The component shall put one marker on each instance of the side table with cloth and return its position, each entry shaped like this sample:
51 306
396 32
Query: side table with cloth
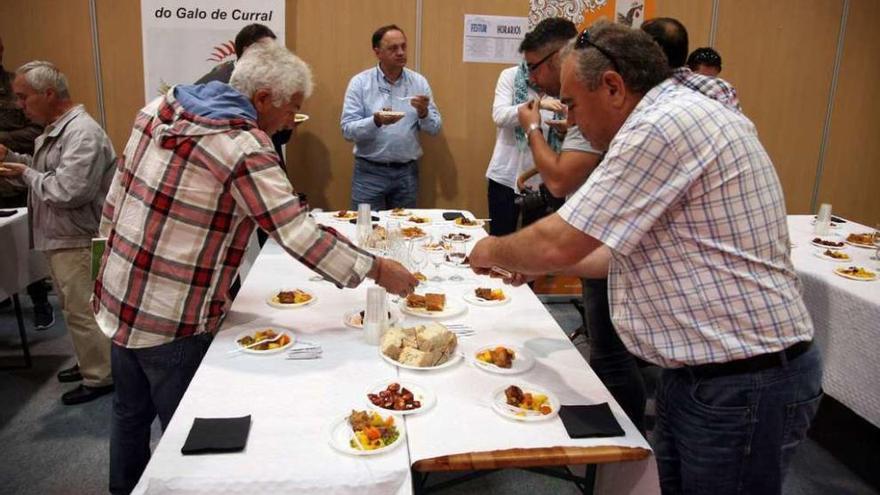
19 265
293 402
846 317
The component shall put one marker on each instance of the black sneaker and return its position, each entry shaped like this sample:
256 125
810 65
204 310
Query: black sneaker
44 316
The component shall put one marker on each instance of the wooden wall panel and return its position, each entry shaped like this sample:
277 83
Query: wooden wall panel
696 15
122 66
454 166
58 31
851 176
334 38
779 55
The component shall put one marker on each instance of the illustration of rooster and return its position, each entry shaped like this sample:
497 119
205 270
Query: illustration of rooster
632 14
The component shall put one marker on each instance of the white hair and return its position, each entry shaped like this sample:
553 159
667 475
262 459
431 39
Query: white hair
42 75
268 65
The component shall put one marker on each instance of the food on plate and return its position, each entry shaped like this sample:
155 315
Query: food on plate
428 302
345 214
425 345
456 236
371 431
500 356
295 296
399 212
857 272
527 400
457 259
263 335
866 239
395 397
489 294
412 232
436 246
826 242
466 222
420 277
838 255
357 319
417 219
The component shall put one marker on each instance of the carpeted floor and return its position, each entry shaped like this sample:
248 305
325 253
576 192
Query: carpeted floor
48 448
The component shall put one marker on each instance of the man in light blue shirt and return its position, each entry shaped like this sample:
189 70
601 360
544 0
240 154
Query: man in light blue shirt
385 108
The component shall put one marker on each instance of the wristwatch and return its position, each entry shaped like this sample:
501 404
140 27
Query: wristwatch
532 127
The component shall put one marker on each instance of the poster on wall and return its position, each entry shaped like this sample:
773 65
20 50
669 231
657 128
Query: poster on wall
184 39
585 12
493 39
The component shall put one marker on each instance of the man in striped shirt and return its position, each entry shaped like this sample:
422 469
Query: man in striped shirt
700 279
198 174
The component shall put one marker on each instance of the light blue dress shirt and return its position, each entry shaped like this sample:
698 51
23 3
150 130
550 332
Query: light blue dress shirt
370 92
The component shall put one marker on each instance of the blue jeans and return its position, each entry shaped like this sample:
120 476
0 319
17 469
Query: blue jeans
609 358
148 381
384 187
734 434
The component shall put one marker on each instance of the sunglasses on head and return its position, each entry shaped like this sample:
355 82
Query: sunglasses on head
583 42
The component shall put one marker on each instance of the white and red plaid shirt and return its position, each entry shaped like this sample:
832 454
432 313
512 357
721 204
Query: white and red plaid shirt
184 201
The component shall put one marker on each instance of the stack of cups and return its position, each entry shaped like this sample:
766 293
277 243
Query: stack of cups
823 220
376 315
396 249
364 224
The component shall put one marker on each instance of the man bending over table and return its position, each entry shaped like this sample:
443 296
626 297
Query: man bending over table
198 174
700 279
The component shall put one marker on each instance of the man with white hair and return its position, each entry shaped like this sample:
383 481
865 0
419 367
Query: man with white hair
198 174
67 176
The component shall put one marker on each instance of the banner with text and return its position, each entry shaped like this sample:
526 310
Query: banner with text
493 39
184 39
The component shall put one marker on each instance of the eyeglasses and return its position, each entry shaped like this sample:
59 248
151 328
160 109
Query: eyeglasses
533 67
583 41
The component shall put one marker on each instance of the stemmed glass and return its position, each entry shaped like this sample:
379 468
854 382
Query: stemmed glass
418 258
457 253
877 244
437 256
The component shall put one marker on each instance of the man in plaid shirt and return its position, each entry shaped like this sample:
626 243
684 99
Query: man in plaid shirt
199 172
700 278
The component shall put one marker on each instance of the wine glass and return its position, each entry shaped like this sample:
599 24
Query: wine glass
457 254
418 258
437 256
877 244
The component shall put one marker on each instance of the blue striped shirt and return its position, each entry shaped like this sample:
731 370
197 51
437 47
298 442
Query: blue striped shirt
690 205
370 92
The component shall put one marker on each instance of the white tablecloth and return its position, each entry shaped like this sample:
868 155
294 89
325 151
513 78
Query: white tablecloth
19 265
292 402
846 317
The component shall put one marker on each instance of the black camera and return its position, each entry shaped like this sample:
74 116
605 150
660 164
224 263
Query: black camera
539 201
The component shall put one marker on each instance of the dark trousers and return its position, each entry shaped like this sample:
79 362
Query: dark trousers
38 292
609 358
149 382
504 211
734 434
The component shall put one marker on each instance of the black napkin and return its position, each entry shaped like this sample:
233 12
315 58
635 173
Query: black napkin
452 215
590 421
354 221
7 213
213 435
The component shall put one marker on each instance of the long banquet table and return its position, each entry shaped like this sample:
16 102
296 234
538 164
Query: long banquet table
846 317
292 402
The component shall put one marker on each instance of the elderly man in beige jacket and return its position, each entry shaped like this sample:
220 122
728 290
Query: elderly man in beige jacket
67 176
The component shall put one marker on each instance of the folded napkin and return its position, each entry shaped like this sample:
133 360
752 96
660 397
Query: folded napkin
354 221
452 215
590 421
214 435
7 213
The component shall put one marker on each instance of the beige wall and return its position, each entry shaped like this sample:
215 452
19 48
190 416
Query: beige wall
780 55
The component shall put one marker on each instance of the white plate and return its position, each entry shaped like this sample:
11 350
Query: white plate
452 308
416 238
453 360
348 319
350 215
472 298
407 222
821 255
273 300
387 113
403 214
271 351
522 360
450 237
834 225
340 435
844 275
420 393
499 401
828 247
478 225
863 246
300 118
